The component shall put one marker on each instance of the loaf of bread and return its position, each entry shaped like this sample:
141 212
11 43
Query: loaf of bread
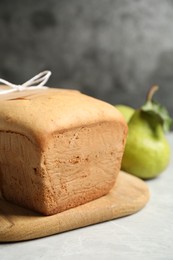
58 149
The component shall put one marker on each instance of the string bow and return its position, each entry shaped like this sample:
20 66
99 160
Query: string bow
37 82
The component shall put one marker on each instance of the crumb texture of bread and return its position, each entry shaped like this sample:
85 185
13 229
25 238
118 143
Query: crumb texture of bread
59 149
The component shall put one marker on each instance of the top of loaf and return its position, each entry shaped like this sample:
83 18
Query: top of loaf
40 113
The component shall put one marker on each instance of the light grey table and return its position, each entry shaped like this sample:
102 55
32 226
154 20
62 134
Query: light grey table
147 234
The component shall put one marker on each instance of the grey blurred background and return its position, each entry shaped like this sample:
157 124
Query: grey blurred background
113 50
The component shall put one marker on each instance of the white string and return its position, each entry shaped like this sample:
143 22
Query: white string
37 82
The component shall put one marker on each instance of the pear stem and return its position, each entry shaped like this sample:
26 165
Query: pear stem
151 92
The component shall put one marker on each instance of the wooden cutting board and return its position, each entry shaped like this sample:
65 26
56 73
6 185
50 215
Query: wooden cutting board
128 196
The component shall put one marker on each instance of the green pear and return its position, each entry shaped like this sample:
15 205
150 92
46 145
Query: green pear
147 151
126 111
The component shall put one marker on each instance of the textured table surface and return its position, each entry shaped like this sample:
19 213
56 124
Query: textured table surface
147 234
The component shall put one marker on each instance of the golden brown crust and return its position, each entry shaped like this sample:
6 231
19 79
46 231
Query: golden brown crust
44 112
